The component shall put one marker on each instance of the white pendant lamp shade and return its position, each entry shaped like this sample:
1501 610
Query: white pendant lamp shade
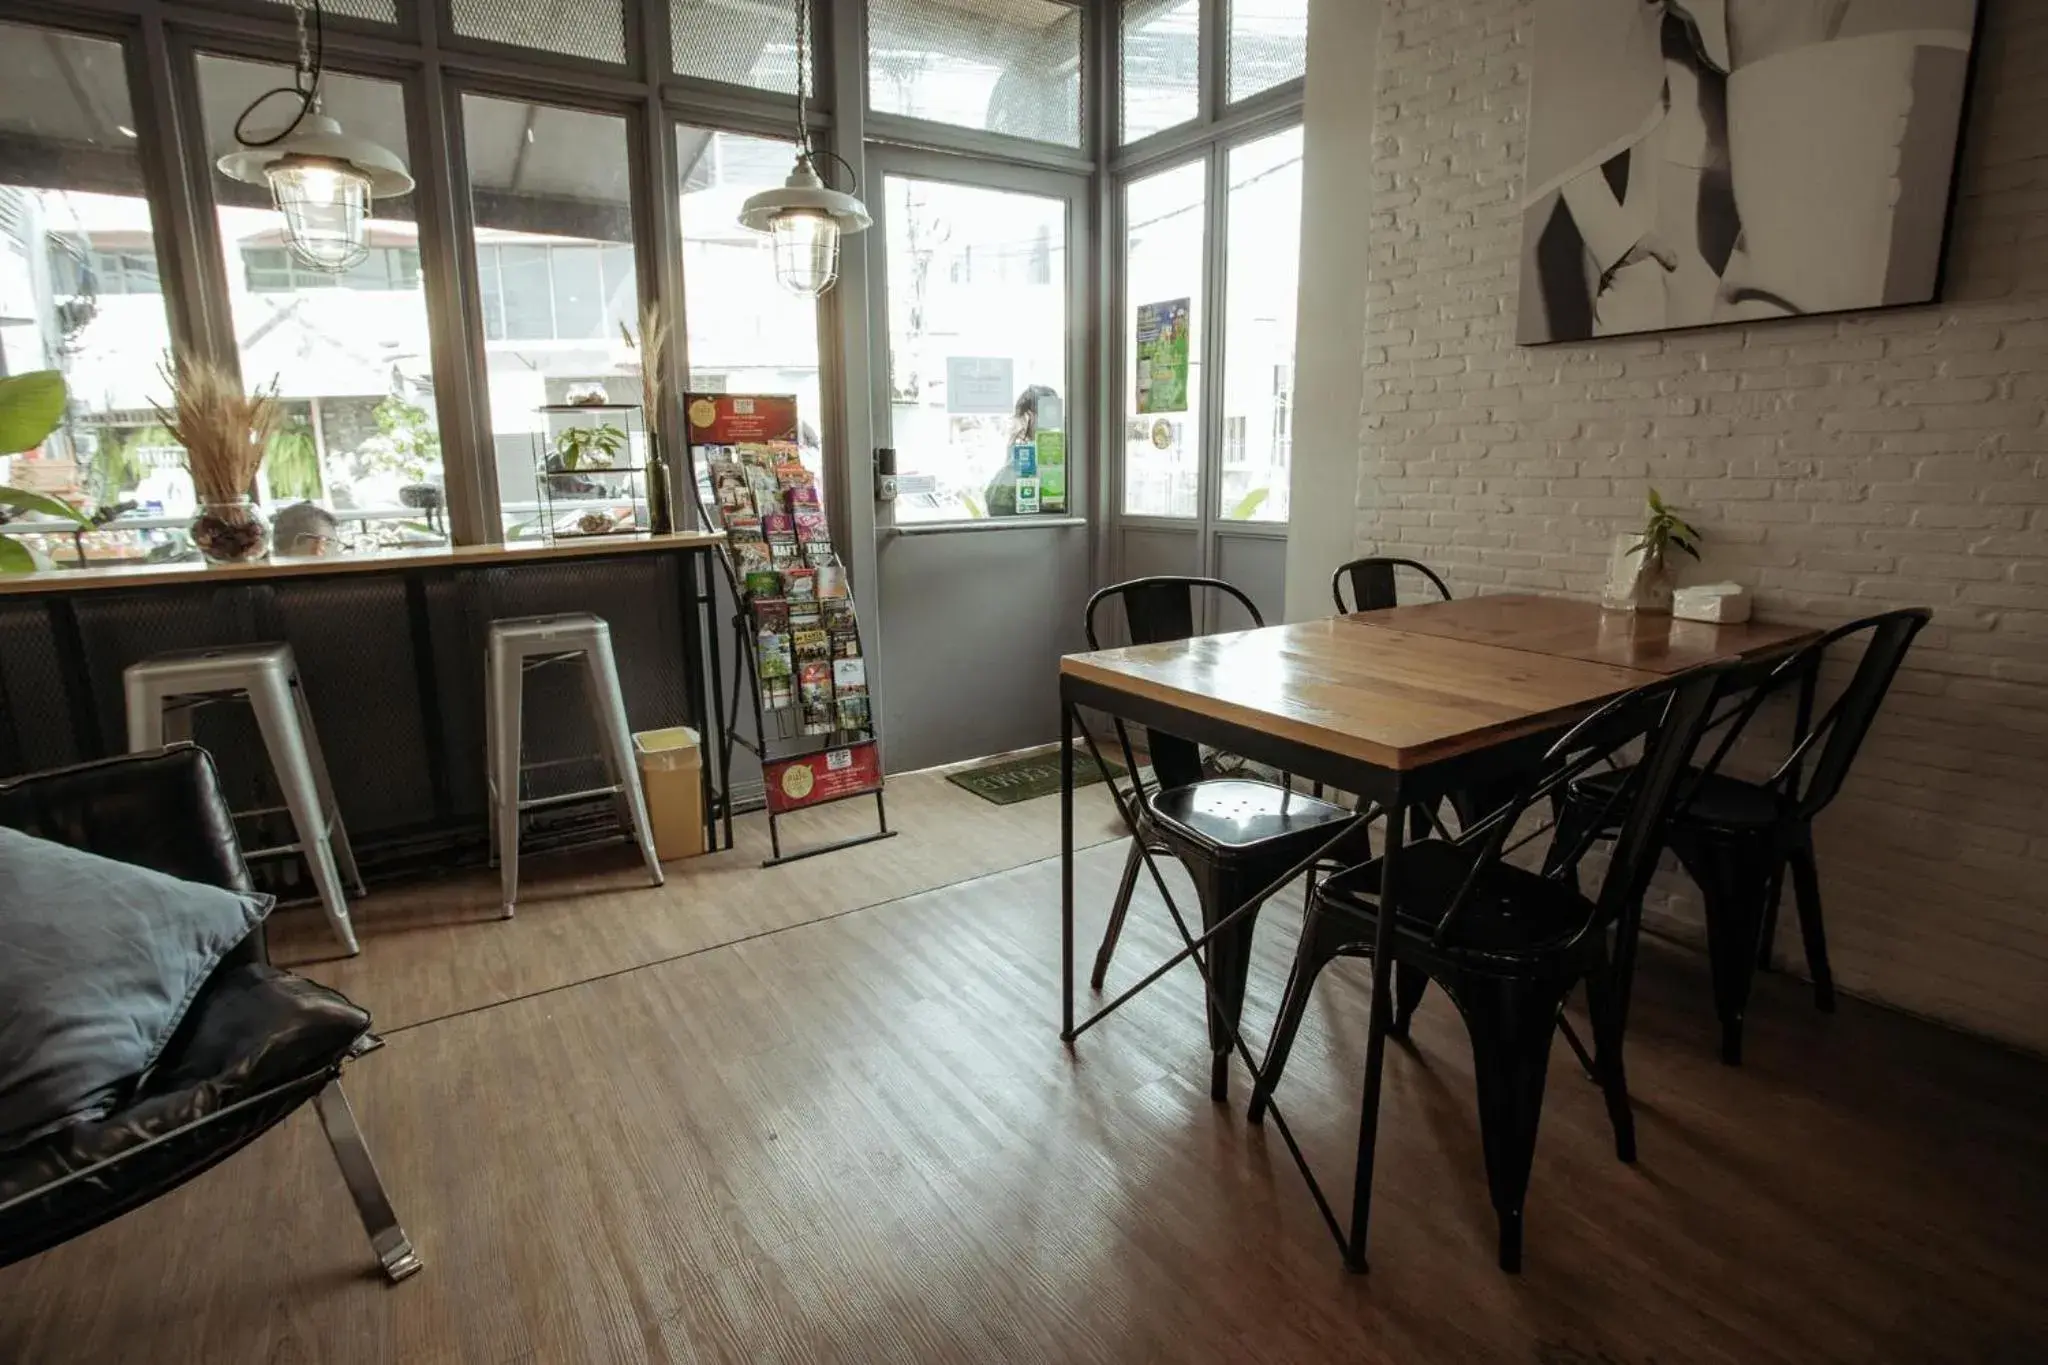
323 182
806 220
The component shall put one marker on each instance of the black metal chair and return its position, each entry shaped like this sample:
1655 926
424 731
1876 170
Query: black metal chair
256 1042
1374 586
1736 839
1235 836
1508 945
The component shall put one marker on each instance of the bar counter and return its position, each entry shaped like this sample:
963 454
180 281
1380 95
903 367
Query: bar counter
390 646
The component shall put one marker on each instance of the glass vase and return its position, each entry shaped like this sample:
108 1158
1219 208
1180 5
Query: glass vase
231 532
1637 581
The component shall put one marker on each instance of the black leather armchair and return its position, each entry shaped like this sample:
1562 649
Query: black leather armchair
256 1043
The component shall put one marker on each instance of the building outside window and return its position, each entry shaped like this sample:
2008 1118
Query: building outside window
80 292
349 355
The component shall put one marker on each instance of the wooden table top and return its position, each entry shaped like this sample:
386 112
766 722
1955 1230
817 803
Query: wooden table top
1392 698
1565 628
196 573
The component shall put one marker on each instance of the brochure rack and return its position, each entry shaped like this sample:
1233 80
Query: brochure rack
796 634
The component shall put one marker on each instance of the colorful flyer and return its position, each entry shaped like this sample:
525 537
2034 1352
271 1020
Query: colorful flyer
1163 356
1052 470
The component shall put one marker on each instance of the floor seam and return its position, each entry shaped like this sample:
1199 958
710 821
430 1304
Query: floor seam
732 942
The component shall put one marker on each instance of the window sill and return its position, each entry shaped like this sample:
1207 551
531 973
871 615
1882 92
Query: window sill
979 524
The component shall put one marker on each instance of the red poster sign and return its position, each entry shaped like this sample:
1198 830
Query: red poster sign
726 419
814 779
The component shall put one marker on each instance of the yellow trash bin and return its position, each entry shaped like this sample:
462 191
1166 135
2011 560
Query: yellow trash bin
671 773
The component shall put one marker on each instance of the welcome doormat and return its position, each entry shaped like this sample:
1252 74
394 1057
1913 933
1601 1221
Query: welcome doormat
1007 781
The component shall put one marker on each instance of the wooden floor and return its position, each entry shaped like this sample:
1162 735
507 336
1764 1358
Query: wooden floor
860 1140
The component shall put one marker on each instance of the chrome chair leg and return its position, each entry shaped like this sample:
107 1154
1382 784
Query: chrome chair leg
394 1249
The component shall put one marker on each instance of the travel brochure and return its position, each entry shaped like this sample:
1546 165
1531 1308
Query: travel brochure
806 638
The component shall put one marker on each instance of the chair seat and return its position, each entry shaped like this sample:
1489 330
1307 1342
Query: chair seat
1235 815
1719 804
1512 913
256 1037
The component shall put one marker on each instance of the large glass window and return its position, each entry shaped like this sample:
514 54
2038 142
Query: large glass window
1264 262
1268 45
1004 66
743 332
1161 69
550 190
80 289
349 354
977 350
1164 230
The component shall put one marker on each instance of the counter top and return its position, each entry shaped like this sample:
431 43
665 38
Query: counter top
195 573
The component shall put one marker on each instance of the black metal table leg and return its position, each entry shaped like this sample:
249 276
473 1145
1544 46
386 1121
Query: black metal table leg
1376 1034
1066 871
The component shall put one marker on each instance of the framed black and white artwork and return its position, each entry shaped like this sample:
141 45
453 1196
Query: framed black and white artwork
1695 162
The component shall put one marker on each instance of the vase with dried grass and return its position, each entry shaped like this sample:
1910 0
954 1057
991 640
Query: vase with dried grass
225 432
652 344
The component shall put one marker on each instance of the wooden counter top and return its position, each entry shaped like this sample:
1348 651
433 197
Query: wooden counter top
196 573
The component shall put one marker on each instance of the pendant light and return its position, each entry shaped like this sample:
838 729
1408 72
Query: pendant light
806 217
322 180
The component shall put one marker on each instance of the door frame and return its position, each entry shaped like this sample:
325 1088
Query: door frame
1076 190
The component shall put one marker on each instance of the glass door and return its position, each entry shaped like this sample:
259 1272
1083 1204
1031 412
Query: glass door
984 551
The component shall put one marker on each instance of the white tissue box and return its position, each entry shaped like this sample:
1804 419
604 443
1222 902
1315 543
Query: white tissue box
1725 604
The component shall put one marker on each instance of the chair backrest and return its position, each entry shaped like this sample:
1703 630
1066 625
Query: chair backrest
162 810
1669 716
1839 733
1156 610
1373 585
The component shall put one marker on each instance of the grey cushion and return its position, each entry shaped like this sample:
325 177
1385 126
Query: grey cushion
99 961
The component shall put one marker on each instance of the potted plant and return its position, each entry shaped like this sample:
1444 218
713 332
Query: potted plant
597 447
226 433
31 406
1641 574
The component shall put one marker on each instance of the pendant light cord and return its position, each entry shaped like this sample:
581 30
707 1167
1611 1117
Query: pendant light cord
805 151
305 86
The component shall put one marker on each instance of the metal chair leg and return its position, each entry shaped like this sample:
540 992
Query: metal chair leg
285 739
337 829
616 736
394 1249
1118 909
508 685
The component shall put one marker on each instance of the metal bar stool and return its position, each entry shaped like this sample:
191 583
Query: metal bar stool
162 694
516 646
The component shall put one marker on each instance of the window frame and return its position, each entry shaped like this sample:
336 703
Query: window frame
1210 137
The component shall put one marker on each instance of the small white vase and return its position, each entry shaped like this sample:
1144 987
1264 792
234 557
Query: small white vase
1637 581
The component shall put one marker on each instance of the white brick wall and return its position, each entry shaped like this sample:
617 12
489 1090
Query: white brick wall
1840 467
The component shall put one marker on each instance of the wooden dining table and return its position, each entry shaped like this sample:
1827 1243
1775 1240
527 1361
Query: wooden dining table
1400 707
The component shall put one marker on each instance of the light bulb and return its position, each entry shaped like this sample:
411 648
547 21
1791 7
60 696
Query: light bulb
326 208
806 250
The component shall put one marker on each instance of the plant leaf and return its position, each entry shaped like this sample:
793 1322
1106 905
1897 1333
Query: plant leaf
1656 503
1248 506
14 557
39 502
31 405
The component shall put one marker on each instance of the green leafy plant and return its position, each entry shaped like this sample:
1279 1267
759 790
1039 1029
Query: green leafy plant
31 406
1663 530
293 461
599 446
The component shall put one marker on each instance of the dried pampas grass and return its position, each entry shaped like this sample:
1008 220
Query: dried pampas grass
652 344
225 431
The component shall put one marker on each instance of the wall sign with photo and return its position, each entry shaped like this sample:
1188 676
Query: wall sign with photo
1695 162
